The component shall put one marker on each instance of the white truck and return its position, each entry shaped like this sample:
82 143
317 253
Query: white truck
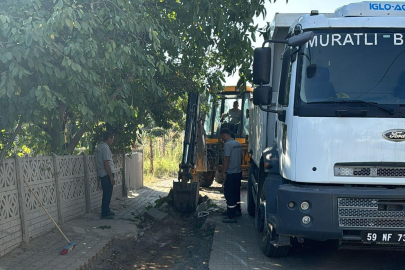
327 128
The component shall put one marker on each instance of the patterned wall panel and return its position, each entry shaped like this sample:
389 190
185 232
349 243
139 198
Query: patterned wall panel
96 191
118 162
72 188
10 222
39 173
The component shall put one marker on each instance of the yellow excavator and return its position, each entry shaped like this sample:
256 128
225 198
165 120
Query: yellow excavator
202 147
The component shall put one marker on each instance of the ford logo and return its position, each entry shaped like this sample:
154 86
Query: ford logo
395 135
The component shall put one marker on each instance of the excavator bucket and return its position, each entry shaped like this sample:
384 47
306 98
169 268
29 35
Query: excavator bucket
185 196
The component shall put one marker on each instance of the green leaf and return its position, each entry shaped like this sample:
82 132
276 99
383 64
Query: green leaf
17 56
68 23
15 71
4 120
3 18
9 56
11 108
49 70
10 89
57 73
78 25
28 40
2 91
11 66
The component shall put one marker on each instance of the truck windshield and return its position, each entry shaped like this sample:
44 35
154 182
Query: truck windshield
365 66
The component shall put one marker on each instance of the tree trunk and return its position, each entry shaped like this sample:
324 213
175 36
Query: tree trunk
11 140
75 140
55 133
55 126
151 155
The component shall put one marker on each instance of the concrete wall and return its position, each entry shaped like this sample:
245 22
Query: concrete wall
67 186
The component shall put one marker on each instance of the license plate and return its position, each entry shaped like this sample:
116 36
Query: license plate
383 237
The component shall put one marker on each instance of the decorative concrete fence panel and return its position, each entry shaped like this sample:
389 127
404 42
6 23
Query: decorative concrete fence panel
96 191
10 221
39 173
68 187
119 167
70 175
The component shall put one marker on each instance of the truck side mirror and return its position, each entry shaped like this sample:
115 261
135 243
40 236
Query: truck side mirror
300 39
262 66
262 95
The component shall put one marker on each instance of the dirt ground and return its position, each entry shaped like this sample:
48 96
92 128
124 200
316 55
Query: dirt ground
181 241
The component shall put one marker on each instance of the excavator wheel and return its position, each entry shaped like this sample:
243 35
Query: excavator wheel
207 178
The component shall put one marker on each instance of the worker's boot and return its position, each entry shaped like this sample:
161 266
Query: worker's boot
238 213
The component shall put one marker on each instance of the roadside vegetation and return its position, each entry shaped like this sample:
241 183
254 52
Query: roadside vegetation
166 155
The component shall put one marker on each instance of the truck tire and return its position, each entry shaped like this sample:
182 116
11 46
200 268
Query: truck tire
269 249
250 202
207 178
259 219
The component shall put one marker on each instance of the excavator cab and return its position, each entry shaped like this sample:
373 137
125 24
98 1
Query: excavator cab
228 109
202 147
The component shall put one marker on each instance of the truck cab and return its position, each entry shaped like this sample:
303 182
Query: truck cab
327 128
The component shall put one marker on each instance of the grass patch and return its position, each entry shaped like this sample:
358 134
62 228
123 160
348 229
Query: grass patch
167 151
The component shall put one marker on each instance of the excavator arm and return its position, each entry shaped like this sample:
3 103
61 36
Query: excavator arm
186 189
190 135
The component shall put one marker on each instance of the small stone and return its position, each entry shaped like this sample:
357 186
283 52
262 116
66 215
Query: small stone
155 214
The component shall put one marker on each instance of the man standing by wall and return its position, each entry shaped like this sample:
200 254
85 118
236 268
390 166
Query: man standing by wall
105 170
232 169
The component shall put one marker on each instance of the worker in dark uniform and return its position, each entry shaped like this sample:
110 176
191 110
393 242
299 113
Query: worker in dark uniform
232 173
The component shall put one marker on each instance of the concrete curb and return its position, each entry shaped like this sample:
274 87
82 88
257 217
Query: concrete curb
85 265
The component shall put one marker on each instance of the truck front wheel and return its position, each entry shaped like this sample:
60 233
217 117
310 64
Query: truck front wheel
268 248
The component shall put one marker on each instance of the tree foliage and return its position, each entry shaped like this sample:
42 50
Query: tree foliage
68 65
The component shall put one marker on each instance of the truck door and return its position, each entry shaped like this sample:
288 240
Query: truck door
283 129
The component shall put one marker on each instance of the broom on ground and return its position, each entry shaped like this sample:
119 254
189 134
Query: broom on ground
70 245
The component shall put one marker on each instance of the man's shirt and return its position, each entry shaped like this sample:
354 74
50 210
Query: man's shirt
233 150
103 152
234 116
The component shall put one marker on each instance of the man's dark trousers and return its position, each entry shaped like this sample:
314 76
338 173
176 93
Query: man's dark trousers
232 193
107 194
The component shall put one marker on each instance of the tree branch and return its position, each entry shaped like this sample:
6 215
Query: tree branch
75 140
10 143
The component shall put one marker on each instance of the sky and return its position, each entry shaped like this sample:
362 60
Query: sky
294 6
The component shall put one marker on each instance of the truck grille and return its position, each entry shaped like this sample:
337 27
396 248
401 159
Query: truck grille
370 171
365 213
